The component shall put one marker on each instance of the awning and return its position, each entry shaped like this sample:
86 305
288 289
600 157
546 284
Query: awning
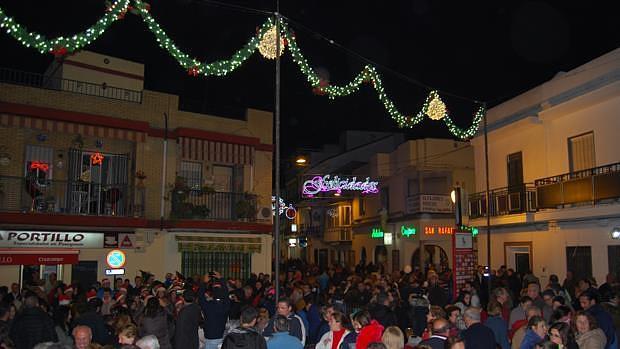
218 244
214 151
38 257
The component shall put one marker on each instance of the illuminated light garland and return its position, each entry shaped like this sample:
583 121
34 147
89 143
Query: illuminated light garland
63 45
265 38
267 46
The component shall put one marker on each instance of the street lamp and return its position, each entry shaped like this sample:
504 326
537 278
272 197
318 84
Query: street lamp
301 161
455 195
615 233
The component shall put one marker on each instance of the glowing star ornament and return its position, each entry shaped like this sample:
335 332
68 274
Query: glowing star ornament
436 108
267 46
96 159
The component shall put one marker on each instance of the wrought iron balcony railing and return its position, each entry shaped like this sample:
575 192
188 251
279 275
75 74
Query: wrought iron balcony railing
18 194
18 77
504 201
588 186
210 205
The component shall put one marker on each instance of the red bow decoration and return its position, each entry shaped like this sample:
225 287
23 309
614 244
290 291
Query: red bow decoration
39 165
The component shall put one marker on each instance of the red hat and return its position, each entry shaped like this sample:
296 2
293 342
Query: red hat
123 289
91 294
63 299
119 296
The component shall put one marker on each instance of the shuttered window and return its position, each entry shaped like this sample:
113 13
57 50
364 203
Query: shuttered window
191 172
581 152
232 265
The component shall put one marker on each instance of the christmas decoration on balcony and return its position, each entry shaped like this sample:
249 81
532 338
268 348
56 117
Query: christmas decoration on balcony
96 159
265 41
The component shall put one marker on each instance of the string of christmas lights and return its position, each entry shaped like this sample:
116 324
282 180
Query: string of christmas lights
264 41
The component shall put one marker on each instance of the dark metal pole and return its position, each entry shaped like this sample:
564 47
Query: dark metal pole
486 166
276 225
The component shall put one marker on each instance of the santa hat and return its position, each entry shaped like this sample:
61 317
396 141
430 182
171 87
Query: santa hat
68 289
91 295
63 299
123 289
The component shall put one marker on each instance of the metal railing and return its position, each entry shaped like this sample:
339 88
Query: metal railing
19 194
23 78
338 234
208 205
586 186
504 201
310 230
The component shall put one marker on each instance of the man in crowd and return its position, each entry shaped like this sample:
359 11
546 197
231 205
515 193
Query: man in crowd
245 336
477 336
296 326
589 303
281 339
83 336
440 332
186 330
32 325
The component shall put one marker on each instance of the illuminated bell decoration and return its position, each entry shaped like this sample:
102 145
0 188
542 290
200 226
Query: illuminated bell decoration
267 45
436 109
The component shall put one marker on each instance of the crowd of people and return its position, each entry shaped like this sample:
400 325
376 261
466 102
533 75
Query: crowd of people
331 308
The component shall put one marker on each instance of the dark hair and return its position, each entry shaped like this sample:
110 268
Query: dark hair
549 293
451 341
590 295
560 312
362 317
339 317
285 300
525 299
281 324
152 308
554 278
452 308
566 333
559 299
547 345
4 308
376 345
382 297
189 296
591 320
534 320
61 315
248 314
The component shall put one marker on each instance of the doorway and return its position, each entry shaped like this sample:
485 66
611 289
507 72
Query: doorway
518 256
84 274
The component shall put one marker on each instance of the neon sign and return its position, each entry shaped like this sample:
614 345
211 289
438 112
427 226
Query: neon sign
36 165
407 231
377 233
438 230
289 211
96 159
336 184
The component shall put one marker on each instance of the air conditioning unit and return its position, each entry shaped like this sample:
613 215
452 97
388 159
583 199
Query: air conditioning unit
264 213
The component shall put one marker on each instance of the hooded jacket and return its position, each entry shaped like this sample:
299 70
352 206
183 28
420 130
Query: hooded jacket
370 333
244 338
530 340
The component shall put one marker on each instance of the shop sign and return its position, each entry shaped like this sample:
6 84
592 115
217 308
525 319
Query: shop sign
407 231
115 271
432 230
377 233
327 183
387 239
39 239
8 258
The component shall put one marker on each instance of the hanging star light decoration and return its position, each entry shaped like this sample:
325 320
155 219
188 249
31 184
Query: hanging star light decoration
436 108
267 46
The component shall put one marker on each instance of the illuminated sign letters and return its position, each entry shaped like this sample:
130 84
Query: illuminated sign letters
407 231
326 183
430 230
377 233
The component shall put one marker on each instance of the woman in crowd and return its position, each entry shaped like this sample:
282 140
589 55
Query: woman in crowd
589 336
393 338
62 318
369 330
128 335
155 322
337 332
536 331
562 334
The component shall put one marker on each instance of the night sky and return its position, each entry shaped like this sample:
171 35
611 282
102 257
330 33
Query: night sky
483 50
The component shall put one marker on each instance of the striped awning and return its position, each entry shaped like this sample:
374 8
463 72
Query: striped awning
9 120
218 244
214 151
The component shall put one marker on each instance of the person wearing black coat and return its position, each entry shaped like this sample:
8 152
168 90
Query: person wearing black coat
245 336
186 330
477 336
88 315
32 325
215 307
155 322
381 312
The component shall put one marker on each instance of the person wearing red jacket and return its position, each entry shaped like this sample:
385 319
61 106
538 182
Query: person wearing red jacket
369 330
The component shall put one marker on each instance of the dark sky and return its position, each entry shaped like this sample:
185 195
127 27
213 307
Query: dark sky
485 50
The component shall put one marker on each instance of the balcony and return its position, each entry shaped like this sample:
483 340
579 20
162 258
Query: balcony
425 203
211 205
18 77
17 194
504 201
338 234
310 230
588 186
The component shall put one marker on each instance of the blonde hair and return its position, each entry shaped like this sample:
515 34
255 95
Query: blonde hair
393 338
129 331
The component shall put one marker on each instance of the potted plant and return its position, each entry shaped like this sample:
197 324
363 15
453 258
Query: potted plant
246 208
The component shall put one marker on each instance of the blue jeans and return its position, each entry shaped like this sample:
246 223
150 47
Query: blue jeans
213 343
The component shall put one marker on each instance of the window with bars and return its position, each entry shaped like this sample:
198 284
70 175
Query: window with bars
231 265
191 172
581 152
40 155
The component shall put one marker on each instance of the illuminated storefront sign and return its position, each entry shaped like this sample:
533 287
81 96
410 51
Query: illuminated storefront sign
337 184
431 230
407 231
387 239
377 233
9 238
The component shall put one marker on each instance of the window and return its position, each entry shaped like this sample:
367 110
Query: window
413 187
579 261
223 178
515 170
613 256
436 185
362 206
384 194
581 152
346 215
39 155
232 265
191 172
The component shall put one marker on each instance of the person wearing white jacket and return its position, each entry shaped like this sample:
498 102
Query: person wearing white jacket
336 333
